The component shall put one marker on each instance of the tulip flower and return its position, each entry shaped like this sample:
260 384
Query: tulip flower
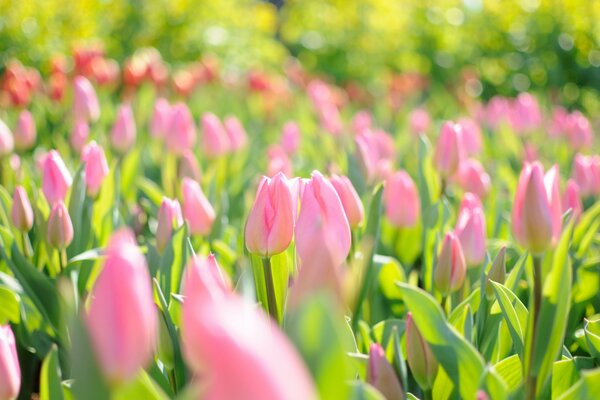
451 267
238 138
449 150
10 370
96 167
473 178
401 200
381 374
361 122
237 351
214 138
572 200
558 124
197 211
21 212
497 272
497 110
586 173
524 113
56 179
6 140
351 202
471 135
578 130
330 118
375 151
161 116
188 166
537 212
422 363
180 133
79 135
60 227
470 230
122 320
169 217
85 102
123 132
419 121
270 224
279 161
290 137
25 132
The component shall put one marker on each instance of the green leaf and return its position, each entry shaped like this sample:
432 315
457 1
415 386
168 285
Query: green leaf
364 391
77 212
588 387
142 387
9 309
50 377
592 336
510 370
564 375
151 190
515 314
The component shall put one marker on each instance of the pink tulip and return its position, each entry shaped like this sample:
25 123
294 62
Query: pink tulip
375 151
180 132
351 202
471 134
525 114
188 166
278 161
423 364
361 122
238 138
451 267
197 211
60 227
401 200
290 137
21 212
497 111
558 126
470 230
96 167
270 224
319 93
79 135
586 173
160 118
419 121
537 212
123 132
572 200
473 178
85 102
381 374
215 142
579 130
169 217
6 140
449 150
25 132
122 319
331 120
56 179
10 370
236 349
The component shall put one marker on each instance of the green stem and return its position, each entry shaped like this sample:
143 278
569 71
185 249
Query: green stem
172 379
271 298
25 240
427 394
531 384
62 255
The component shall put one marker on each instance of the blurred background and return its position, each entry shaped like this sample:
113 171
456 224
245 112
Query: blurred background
489 46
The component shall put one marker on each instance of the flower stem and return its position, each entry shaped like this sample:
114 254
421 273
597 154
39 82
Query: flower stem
271 298
62 256
531 384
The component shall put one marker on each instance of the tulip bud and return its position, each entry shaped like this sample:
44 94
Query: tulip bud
25 132
362 121
331 121
56 179
290 137
270 224
236 133
586 173
180 132
188 166
524 113
537 212
197 211
79 135
10 370
422 363
85 102
419 121
96 167
60 227
214 138
381 375
6 140
278 161
401 200
122 319
160 118
22 214
470 229
497 272
351 202
169 217
572 200
449 149
471 135
123 132
473 178
451 267
579 130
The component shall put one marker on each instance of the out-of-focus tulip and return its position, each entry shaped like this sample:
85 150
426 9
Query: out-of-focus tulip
524 113
214 138
60 227
579 130
572 199
85 102
25 132
419 121
471 134
123 133
96 167
270 224
449 150
470 229
197 211
290 137
278 161
10 370
422 363
451 267
169 217
330 118
381 374
122 319
361 122
586 173
537 212
375 151
21 212
530 152
180 133
497 111
558 125
401 200
353 206
236 348
161 116
188 166
56 179
79 135
6 140
497 272
473 178
236 132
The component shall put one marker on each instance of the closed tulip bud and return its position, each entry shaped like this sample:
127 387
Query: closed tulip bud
579 130
473 178
123 133
451 267
353 206
537 212
215 142
56 179
181 131
524 113
22 214
449 150
290 137
60 227
422 363
169 217
362 121
122 319
197 211
471 134
381 374
85 102
161 116
188 166
96 167
572 199
25 132
419 121
79 135
497 272
236 133
270 226
10 370
401 200
278 161
586 173
470 230
6 140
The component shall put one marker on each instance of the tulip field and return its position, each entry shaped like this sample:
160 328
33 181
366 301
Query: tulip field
212 230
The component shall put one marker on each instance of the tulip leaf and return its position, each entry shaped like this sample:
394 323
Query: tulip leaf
364 391
510 371
50 377
142 387
515 314
151 190
9 311
80 213
592 337
587 387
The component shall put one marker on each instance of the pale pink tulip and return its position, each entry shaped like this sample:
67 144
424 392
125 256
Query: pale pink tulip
330 118
279 161
7 142
10 370
96 167
21 212
180 132
572 200
215 142
419 121
85 102
579 130
290 137
471 135
188 166
451 267
524 113
25 131
473 178
497 110
353 206
123 132
449 149
197 210
362 121
56 179
169 217
161 116
381 374
238 138
401 200
586 173
79 135
60 227
470 230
